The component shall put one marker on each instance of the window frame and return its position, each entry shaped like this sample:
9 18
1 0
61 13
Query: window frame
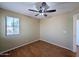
6 26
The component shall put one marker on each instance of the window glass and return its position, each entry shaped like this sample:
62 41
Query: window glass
12 25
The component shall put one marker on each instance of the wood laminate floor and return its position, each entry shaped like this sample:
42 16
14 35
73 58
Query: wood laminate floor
40 49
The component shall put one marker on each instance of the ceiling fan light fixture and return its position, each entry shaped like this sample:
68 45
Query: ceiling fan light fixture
41 14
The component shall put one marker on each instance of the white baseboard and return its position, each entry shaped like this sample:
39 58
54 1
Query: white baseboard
58 45
17 47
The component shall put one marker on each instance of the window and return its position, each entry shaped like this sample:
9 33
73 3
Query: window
12 25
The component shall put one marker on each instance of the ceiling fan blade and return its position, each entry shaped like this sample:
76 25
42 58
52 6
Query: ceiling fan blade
36 14
50 11
33 10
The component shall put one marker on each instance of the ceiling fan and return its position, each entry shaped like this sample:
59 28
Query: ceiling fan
42 9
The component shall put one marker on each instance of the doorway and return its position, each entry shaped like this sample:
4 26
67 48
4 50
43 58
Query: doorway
76 34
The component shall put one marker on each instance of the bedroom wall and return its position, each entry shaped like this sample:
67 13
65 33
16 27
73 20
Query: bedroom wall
58 30
29 30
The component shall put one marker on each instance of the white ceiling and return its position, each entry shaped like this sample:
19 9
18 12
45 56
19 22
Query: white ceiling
22 7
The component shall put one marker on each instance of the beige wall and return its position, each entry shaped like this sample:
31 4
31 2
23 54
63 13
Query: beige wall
58 30
29 30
